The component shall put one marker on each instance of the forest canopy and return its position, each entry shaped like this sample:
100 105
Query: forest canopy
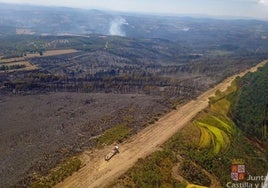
250 111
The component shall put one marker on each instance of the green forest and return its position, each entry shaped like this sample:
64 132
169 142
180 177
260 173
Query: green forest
250 107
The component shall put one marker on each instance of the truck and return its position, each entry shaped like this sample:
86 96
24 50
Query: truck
112 153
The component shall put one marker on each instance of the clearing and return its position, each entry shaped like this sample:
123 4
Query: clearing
31 55
97 172
27 64
53 53
24 60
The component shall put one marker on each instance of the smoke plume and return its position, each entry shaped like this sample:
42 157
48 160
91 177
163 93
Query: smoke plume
116 27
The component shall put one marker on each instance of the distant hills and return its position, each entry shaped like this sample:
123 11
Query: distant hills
26 19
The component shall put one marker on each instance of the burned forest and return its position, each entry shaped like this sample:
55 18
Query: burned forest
62 87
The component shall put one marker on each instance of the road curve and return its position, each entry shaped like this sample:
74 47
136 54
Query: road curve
97 172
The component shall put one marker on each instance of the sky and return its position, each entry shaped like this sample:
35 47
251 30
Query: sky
234 8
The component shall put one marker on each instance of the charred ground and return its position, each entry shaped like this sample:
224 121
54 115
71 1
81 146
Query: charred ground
58 108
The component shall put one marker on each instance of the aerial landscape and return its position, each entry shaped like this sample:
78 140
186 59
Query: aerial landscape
133 95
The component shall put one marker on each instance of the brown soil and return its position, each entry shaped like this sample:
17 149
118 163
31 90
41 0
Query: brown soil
99 173
28 66
45 54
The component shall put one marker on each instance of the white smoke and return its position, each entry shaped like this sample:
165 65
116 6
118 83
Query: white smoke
116 27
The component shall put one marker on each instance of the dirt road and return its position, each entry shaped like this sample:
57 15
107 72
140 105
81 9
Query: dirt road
99 173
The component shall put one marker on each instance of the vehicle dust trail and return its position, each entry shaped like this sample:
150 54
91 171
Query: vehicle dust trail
99 173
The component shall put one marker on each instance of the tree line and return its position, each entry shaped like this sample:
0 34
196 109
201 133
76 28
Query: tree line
250 107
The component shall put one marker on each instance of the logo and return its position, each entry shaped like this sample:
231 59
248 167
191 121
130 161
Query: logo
238 170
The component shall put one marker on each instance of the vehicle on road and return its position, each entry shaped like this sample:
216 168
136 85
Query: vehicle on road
112 153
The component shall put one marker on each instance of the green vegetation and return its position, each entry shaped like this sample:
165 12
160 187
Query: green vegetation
250 109
215 133
219 165
56 175
164 63
209 143
194 173
219 135
217 129
116 133
152 172
156 170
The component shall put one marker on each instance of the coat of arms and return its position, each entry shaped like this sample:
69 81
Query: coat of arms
238 170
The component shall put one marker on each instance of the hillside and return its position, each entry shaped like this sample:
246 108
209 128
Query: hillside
96 172
250 104
72 80
203 152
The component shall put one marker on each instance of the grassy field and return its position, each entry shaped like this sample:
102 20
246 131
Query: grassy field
216 128
215 133
114 134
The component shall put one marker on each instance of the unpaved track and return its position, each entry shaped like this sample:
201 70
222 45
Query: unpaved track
99 173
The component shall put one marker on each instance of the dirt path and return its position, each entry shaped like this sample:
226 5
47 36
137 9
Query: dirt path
99 173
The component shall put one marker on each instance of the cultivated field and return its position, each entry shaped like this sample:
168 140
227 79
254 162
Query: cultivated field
32 55
27 66
53 53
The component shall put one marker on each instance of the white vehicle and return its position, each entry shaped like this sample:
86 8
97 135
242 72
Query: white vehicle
112 153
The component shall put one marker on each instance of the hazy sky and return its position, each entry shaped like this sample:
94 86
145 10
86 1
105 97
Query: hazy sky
244 8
